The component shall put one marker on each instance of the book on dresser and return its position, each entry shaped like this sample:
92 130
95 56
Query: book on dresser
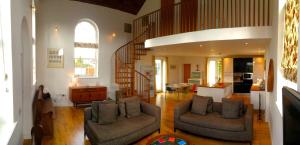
87 94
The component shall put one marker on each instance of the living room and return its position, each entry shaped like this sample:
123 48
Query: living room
100 49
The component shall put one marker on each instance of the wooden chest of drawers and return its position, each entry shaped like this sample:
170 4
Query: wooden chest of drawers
84 95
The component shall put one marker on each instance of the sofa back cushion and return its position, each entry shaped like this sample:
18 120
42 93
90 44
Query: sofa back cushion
217 107
231 109
133 108
95 110
107 112
199 105
121 105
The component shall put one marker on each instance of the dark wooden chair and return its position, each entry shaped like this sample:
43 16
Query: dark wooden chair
42 113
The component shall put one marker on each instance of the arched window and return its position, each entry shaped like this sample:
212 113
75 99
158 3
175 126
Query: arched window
86 49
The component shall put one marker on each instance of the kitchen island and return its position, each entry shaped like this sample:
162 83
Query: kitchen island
217 91
255 92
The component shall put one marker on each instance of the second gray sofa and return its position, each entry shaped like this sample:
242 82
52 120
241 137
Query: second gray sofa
213 124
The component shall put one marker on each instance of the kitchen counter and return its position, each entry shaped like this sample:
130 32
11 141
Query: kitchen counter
217 91
255 92
256 87
218 85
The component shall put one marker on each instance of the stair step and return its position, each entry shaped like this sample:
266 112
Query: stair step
122 83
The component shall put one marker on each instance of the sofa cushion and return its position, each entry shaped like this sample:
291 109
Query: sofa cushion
231 109
217 107
107 113
213 121
199 105
95 110
122 127
133 108
121 105
209 104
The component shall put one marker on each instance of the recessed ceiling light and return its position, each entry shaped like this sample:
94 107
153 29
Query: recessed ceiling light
246 43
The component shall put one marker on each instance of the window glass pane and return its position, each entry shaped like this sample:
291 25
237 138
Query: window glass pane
212 72
86 59
85 32
85 53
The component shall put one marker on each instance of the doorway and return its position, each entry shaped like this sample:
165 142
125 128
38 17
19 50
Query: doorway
161 73
186 72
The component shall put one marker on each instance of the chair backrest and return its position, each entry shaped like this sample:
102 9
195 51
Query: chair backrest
37 107
194 88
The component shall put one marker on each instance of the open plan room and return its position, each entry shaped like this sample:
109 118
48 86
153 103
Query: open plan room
149 72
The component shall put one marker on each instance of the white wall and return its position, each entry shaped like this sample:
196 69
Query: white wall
66 14
21 52
176 75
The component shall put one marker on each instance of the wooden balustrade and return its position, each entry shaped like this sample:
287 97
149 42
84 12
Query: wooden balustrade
193 15
142 86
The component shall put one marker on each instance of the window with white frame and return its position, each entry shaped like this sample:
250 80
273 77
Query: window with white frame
86 49
6 94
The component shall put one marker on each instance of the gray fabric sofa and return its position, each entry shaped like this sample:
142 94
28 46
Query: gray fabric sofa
125 130
213 124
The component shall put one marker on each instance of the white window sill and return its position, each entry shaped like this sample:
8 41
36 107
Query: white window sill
6 131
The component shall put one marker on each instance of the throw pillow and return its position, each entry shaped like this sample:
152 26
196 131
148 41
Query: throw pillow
210 104
95 110
121 105
230 108
199 105
122 111
132 108
107 113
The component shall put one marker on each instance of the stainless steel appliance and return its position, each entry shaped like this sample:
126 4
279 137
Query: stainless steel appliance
247 76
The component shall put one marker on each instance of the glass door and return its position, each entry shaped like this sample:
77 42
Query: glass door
160 76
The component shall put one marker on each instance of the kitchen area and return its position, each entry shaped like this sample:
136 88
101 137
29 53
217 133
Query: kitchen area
237 75
247 74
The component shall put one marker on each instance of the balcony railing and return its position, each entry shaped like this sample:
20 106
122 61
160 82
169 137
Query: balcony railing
197 15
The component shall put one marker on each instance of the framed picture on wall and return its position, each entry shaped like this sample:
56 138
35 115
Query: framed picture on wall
55 58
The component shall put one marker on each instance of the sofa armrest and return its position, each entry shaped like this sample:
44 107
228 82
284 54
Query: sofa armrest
151 110
249 119
181 109
87 114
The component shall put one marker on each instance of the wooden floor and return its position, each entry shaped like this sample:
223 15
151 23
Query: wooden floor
68 125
